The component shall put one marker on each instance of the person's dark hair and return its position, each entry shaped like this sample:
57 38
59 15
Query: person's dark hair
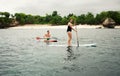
48 31
71 19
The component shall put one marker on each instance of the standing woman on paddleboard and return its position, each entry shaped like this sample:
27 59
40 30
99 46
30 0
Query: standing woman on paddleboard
69 31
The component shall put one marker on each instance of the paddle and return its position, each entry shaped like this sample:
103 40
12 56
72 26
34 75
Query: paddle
38 38
55 39
76 33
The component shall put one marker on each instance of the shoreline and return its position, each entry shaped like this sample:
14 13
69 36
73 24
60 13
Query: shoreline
39 26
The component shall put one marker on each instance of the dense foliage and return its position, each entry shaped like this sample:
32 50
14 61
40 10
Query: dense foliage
55 19
4 19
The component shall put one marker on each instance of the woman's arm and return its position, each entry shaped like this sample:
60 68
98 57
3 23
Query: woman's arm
71 25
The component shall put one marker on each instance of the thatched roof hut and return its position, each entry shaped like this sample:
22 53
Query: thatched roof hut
109 23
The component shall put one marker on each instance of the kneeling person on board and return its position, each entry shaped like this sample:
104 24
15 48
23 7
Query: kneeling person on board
47 36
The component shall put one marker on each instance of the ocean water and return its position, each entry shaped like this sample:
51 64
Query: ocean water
22 55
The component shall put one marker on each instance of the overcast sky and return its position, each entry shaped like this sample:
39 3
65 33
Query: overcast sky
64 7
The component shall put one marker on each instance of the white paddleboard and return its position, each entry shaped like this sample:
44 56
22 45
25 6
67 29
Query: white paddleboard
86 45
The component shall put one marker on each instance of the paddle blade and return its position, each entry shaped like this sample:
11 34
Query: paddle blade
37 38
54 40
50 40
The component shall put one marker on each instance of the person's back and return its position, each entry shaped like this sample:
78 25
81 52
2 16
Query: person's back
69 29
47 35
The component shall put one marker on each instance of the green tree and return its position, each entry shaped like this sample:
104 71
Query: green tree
20 17
115 15
64 20
7 14
5 21
90 18
54 13
81 19
55 19
70 15
48 18
103 16
36 19
29 19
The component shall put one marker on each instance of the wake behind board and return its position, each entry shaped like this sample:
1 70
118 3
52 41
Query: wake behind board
84 45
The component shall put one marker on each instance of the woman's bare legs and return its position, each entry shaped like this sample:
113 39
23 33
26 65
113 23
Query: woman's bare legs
69 38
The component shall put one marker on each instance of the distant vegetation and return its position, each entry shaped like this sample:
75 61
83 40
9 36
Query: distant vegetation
8 20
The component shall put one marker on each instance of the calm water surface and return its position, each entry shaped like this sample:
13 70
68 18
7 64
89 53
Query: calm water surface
22 55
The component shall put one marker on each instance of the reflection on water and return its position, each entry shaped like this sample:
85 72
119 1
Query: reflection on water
47 43
70 53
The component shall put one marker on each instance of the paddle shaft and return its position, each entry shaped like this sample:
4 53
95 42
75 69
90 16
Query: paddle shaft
77 35
40 38
77 38
45 38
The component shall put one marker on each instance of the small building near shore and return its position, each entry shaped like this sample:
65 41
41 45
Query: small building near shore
109 23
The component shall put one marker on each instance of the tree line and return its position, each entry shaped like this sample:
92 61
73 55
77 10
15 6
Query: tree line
7 19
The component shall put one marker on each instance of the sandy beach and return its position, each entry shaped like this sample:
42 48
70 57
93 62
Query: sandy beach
39 26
